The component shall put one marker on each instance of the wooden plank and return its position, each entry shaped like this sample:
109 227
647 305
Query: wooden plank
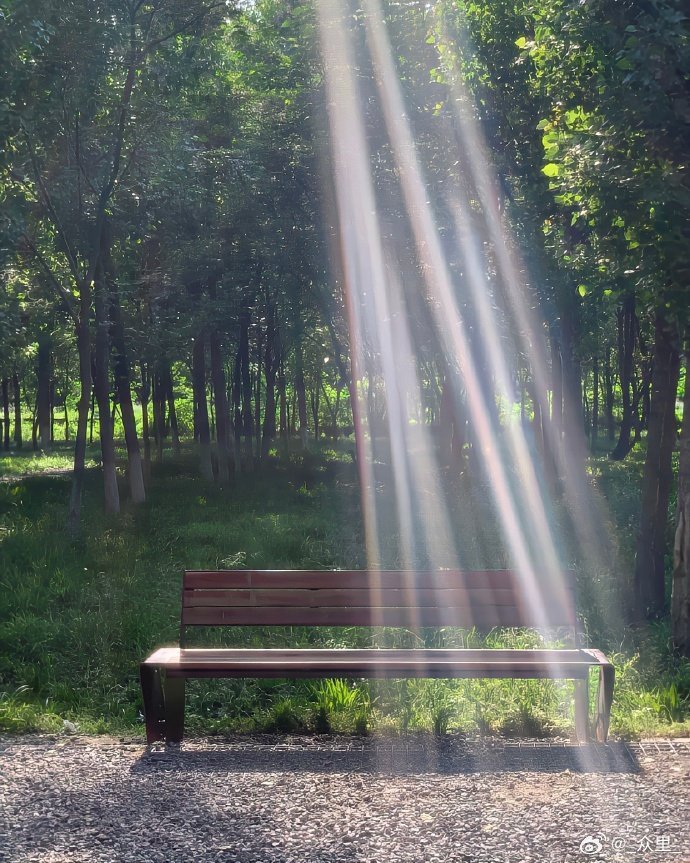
555 612
529 672
380 663
480 617
316 655
350 598
367 579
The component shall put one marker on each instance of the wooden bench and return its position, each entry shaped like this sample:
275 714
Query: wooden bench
483 600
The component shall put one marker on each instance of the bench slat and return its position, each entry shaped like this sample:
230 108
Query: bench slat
482 617
373 663
364 579
337 597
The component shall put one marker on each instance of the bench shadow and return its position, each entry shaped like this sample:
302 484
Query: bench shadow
399 758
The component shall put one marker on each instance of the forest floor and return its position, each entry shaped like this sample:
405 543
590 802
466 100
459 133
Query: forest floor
307 799
76 618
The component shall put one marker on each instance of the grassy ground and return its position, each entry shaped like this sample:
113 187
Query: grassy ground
76 618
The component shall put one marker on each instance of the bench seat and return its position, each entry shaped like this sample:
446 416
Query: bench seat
382 662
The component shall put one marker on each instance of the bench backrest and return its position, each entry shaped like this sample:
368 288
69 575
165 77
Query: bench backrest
409 599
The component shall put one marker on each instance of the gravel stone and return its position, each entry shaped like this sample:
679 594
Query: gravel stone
269 799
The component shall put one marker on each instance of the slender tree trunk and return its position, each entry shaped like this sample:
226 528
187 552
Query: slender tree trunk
84 352
52 412
159 411
556 388
680 591
314 399
271 362
172 412
236 394
222 414
212 413
283 408
144 394
246 390
6 412
573 414
34 430
446 422
92 415
17 397
123 392
101 388
627 324
257 394
595 404
608 396
43 399
301 398
201 406
649 587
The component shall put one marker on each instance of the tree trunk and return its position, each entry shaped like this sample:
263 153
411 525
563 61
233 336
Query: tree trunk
52 412
573 415
283 409
158 412
680 591
446 422
556 388
301 398
172 412
257 394
608 396
595 404
101 386
627 324
222 415
17 397
43 398
315 406
92 415
83 405
246 390
144 394
201 407
123 392
271 361
6 413
649 586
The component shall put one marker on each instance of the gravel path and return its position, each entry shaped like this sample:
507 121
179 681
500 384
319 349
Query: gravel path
331 800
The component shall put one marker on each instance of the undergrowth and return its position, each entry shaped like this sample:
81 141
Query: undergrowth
76 618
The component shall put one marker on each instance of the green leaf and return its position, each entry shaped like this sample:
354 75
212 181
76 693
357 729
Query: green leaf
582 290
521 42
550 170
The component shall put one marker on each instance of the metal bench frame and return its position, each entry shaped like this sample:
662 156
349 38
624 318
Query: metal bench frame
483 600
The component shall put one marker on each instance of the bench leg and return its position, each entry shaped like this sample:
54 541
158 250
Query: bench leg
607 674
582 710
173 694
153 701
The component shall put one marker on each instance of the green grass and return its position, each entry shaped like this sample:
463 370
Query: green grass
77 617
27 462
